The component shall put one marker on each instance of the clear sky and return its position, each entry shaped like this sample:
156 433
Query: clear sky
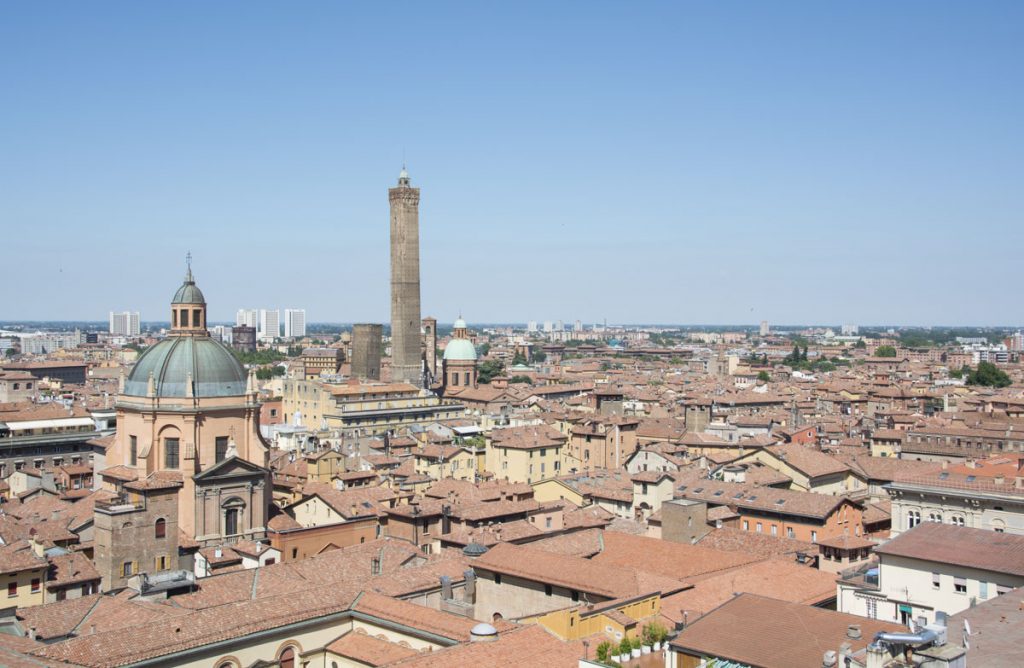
642 162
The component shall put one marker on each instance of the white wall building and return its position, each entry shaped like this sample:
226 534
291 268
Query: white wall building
294 323
934 567
125 323
247 316
269 326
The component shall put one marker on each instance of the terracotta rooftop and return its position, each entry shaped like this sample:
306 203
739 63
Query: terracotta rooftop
369 650
788 635
676 560
959 546
586 575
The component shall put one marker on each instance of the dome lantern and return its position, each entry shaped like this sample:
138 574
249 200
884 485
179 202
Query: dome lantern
188 307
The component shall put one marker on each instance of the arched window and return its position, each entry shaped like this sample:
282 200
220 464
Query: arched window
913 519
233 508
287 658
160 528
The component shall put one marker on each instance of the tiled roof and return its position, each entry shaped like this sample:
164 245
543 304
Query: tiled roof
775 578
765 499
586 575
755 544
677 560
19 556
528 646
997 630
369 650
775 634
415 616
807 460
959 546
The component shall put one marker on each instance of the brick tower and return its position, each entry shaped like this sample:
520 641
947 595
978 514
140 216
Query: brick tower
406 360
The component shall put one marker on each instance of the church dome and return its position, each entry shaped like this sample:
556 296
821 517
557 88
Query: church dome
459 324
460 350
215 371
189 292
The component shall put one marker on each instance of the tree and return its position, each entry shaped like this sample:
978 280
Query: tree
483 349
803 356
763 376
268 372
519 359
489 370
521 379
860 345
885 351
537 355
989 375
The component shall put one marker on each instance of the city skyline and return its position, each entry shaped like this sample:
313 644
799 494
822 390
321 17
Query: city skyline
784 188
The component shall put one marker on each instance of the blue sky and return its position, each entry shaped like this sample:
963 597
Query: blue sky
640 162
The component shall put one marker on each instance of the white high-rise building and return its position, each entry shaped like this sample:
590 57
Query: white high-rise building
549 326
222 332
269 326
294 323
247 316
578 326
125 323
849 330
531 326
765 329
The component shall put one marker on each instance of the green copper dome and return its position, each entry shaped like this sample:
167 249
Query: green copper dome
188 293
460 349
215 371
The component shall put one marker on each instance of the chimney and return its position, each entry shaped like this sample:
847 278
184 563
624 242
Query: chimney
829 659
853 631
446 588
876 656
218 553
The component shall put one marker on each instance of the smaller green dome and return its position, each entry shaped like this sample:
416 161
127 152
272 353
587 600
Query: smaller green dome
459 324
460 350
188 293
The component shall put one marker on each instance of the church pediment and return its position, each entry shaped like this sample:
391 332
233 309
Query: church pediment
232 467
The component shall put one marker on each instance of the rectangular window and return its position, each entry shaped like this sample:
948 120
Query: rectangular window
171 446
497 578
133 450
983 589
126 569
935 581
775 530
62 594
790 533
12 589
746 525
36 585
814 536
548 590
221 448
759 529
960 585
872 608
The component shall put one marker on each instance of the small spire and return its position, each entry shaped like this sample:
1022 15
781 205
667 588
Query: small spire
188 267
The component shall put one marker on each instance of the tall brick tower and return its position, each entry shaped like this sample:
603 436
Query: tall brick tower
406 359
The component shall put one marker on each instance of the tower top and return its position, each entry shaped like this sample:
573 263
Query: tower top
188 268
403 177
